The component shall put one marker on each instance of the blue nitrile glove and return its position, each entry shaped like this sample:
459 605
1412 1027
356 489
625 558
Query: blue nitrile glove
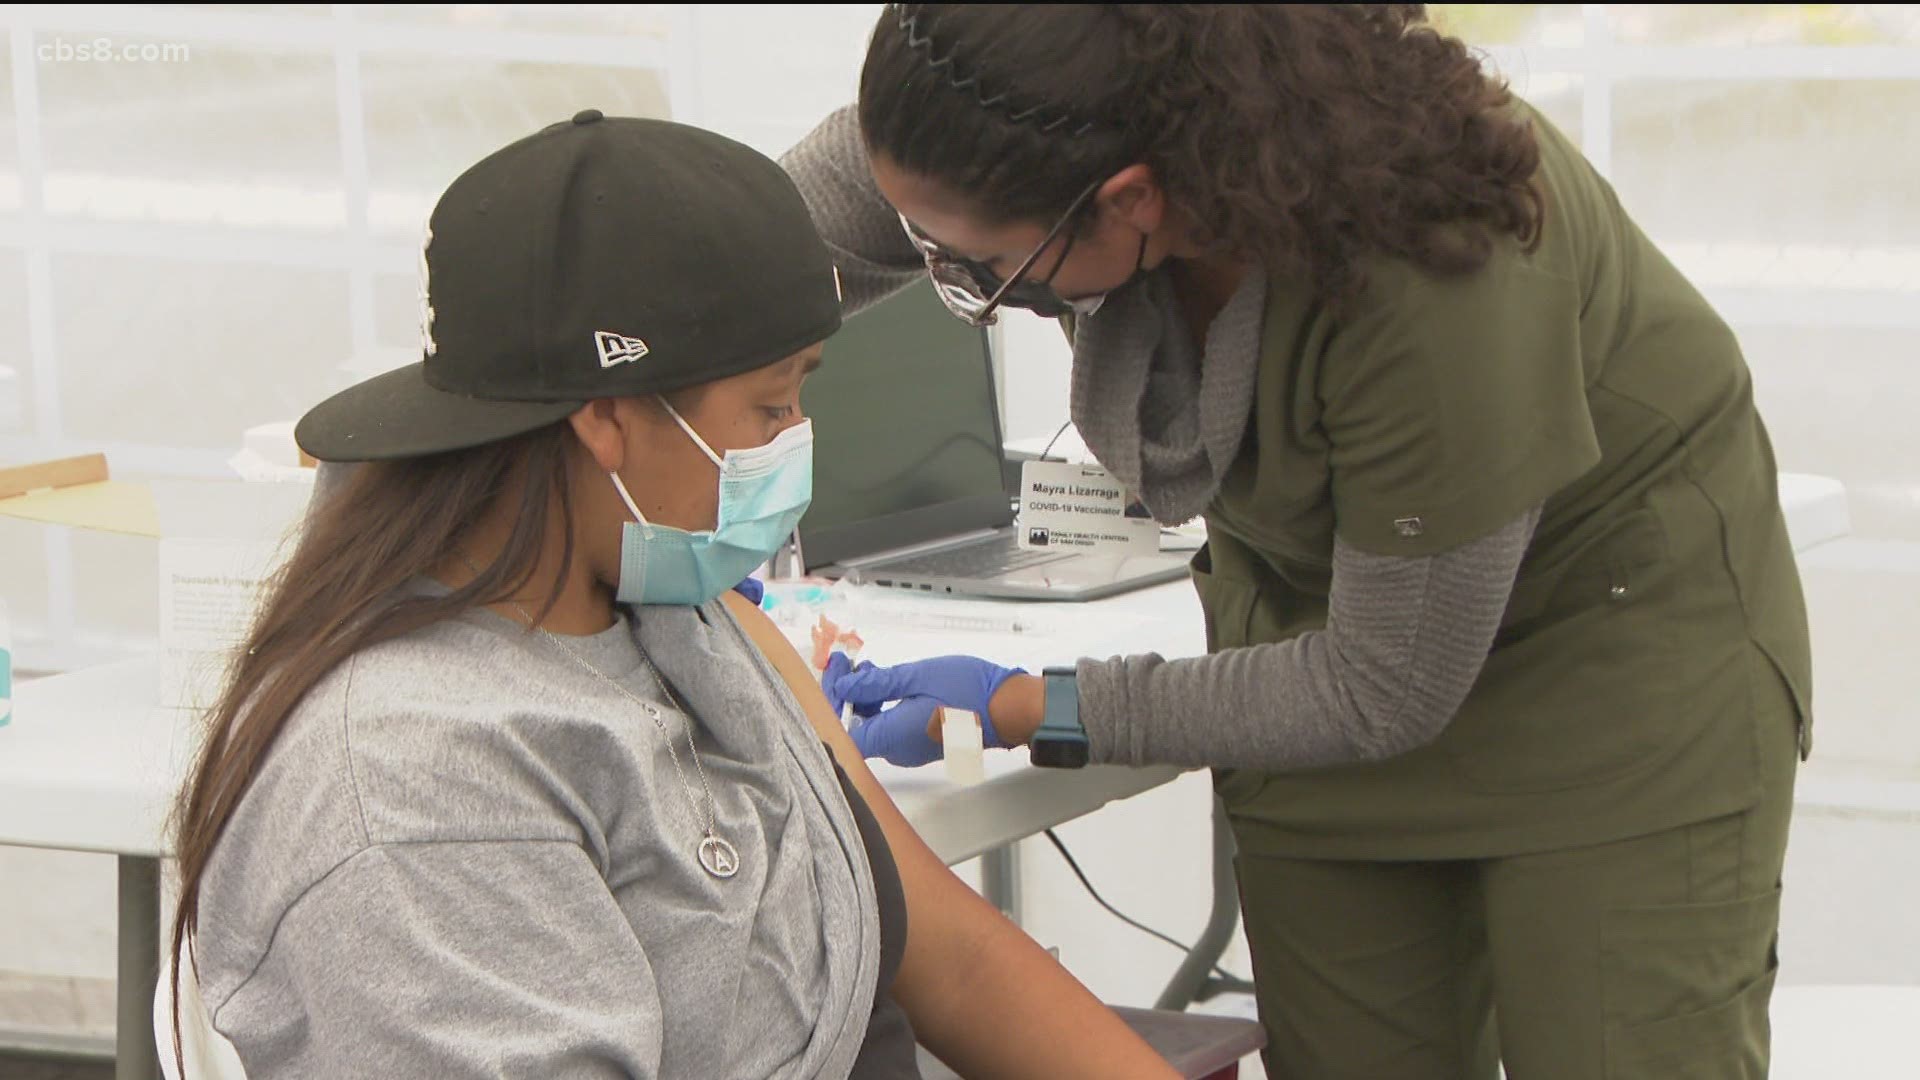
752 589
960 682
900 735
839 666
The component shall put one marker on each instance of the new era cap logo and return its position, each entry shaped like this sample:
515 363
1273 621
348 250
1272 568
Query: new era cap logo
618 348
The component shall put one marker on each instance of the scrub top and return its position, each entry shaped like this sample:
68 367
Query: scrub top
1658 609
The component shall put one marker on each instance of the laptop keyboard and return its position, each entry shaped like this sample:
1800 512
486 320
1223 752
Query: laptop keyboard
975 561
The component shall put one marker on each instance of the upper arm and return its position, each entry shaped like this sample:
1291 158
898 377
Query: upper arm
1408 637
1454 405
451 959
980 993
943 914
860 227
907 846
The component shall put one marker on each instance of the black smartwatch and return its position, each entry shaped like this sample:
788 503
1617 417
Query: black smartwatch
1061 742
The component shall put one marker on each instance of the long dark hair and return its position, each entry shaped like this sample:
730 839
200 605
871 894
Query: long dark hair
1304 137
339 592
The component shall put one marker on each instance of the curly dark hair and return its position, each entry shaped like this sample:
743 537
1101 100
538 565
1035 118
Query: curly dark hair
1305 137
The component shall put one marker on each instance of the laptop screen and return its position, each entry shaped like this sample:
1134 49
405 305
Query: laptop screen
906 433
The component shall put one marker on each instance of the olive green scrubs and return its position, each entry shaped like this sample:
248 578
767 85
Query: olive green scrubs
1593 846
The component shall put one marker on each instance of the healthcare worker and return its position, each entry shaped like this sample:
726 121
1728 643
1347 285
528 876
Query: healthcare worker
507 782
1509 671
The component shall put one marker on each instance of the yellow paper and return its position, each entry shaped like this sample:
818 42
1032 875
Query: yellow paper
109 506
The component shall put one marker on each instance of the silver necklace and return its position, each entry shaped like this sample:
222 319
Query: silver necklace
716 855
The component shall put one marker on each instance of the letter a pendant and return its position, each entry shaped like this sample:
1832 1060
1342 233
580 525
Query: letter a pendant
719 857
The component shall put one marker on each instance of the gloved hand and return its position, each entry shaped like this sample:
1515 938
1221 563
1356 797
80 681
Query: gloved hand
961 682
902 735
834 677
753 589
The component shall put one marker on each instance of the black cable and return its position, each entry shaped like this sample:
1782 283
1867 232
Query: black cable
1056 438
1116 913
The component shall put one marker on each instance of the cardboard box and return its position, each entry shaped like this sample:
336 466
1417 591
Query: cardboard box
217 543
220 541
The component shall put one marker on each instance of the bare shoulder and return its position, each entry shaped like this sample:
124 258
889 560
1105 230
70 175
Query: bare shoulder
787 662
759 629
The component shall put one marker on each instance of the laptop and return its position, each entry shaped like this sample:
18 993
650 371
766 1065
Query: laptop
909 491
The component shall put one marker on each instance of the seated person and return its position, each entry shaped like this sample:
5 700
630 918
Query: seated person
506 781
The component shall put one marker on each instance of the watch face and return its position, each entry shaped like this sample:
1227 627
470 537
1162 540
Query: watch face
1059 753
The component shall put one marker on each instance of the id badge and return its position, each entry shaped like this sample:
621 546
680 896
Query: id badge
1081 508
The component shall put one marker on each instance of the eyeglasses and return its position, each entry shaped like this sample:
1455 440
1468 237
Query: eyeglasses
975 294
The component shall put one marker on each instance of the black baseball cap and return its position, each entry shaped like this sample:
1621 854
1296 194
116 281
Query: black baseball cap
601 257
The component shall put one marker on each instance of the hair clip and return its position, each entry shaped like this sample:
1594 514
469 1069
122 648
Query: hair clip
1047 121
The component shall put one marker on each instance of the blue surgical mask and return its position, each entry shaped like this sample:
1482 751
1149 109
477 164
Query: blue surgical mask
763 492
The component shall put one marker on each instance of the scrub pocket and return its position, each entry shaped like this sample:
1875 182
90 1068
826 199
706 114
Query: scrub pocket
1589 680
1228 607
1685 988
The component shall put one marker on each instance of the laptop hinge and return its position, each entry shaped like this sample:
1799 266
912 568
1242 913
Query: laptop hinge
956 540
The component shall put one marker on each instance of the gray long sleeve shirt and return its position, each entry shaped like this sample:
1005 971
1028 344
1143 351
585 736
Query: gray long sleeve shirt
1405 638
